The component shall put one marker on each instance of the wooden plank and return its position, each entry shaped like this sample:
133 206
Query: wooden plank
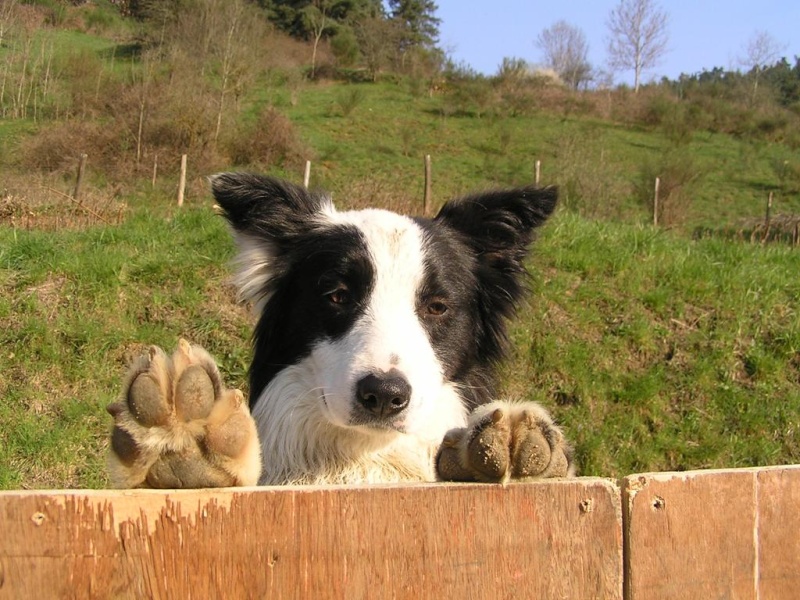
779 532
713 534
559 539
690 535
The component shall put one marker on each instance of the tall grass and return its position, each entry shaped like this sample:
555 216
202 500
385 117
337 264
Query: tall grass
653 352
659 354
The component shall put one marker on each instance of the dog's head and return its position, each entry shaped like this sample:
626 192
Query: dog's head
397 322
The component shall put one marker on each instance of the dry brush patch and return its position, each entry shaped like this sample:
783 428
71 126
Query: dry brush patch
46 203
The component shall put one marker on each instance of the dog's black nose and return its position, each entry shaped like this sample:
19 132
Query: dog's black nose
383 395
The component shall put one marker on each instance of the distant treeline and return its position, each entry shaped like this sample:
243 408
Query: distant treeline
782 80
395 35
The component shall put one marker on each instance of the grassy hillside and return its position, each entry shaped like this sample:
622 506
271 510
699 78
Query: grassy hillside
655 351
598 164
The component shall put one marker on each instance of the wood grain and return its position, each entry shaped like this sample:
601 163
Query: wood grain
713 534
779 532
559 539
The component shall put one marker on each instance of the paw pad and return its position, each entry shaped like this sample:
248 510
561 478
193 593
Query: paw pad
178 427
186 470
487 450
503 441
194 394
147 402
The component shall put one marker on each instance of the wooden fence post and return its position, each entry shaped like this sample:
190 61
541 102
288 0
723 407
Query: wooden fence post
537 172
426 204
155 170
307 174
79 179
655 202
766 219
182 183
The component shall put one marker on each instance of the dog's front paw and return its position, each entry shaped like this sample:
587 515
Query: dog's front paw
177 426
505 441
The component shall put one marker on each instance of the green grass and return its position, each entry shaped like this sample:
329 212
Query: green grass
389 131
654 352
76 306
662 354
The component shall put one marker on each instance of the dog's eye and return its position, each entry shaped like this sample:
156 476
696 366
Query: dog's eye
340 295
436 308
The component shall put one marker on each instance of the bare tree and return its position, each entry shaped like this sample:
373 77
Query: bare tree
7 17
637 36
761 50
565 51
317 18
377 39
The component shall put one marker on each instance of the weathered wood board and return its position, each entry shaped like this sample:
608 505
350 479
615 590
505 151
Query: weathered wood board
713 534
559 539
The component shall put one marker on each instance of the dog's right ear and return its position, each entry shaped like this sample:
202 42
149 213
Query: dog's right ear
266 207
267 215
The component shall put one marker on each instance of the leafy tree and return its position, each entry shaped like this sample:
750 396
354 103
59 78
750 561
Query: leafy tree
377 39
784 78
565 51
317 19
298 18
637 36
419 22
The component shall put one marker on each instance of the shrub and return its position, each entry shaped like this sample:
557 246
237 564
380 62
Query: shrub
678 176
271 142
344 46
56 148
588 183
348 99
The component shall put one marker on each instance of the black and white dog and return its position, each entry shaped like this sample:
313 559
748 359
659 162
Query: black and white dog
374 352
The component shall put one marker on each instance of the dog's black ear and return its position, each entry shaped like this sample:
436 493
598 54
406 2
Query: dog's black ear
500 221
267 216
266 207
499 227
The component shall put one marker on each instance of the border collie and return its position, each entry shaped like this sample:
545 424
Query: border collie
375 349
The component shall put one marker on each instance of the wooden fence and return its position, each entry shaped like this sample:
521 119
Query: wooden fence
702 534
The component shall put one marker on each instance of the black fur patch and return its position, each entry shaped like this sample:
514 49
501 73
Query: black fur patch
308 263
476 253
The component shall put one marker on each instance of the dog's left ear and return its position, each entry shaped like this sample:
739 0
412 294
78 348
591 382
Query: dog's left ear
500 224
500 220
499 227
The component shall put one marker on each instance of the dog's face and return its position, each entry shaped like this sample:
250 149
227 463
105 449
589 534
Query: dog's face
396 322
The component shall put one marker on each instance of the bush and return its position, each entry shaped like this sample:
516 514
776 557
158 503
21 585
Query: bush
588 183
348 99
678 178
271 142
344 46
56 149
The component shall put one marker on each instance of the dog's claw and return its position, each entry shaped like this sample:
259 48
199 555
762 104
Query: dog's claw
177 426
505 441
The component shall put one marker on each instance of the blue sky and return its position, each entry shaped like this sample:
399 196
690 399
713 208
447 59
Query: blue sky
703 33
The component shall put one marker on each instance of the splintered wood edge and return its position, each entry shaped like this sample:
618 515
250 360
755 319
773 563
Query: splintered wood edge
145 506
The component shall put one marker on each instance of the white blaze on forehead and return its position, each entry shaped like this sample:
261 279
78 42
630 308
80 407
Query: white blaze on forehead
395 244
389 334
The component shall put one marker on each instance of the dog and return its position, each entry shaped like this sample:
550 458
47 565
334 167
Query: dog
374 352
